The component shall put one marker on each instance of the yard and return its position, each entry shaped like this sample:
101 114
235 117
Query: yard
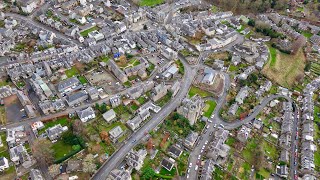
209 108
3 118
195 90
82 80
72 72
63 121
86 32
287 69
150 2
61 149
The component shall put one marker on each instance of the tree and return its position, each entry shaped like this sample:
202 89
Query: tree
79 129
42 150
97 106
103 108
148 173
69 138
88 164
298 43
145 27
251 22
54 170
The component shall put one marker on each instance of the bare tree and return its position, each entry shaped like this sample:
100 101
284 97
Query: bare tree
79 129
88 164
298 43
42 150
54 170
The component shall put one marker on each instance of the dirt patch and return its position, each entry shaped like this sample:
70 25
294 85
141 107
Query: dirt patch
79 66
287 70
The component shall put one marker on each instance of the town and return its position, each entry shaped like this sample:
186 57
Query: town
159 89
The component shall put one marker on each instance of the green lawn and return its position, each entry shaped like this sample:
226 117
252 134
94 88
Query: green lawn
165 172
317 157
230 141
4 148
83 80
316 112
164 100
194 90
62 121
134 107
3 83
209 108
307 34
150 2
241 29
273 55
270 150
247 152
61 149
233 68
21 84
113 125
141 100
86 32
72 72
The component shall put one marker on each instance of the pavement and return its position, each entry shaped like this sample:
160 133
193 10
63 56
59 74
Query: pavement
294 145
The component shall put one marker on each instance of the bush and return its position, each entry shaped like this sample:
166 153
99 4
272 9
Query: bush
251 22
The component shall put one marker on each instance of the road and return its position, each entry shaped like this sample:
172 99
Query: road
294 145
119 155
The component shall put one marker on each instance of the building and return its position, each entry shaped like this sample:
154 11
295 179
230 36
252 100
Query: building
109 116
119 174
243 133
174 89
55 132
27 6
3 164
135 158
134 123
19 155
243 93
86 114
174 151
116 133
191 108
113 67
77 98
168 163
115 101
69 85
159 91
35 174
6 91
191 139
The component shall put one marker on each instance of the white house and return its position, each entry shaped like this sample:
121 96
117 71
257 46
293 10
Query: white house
3 163
109 115
86 114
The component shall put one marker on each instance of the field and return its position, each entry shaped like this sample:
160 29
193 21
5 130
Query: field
86 32
209 108
82 80
150 2
287 68
273 56
194 90
72 72
61 149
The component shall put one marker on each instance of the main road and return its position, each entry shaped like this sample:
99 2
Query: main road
119 155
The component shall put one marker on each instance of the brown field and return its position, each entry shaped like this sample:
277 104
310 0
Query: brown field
287 68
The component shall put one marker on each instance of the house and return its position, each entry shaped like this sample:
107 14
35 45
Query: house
191 139
3 164
134 123
243 133
77 98
282 171
109 116
69 85
27 6
113 67
119 174
35 174
93 93
209 76
168 163
19 155
233 109
218 151
175 151
135 158
159 91
191 108
207 170
243 93
175 88
86 114
55 132
116 133
169 53
115 101
284 156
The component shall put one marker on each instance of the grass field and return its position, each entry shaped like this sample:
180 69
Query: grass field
150 2
83 80
61 149
209 108
72 72
286 69
273 56
194 90
86 32
307 34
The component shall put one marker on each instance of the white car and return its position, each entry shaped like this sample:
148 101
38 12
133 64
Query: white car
206 142
209 120
212 116
199 157
196 168
190 165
